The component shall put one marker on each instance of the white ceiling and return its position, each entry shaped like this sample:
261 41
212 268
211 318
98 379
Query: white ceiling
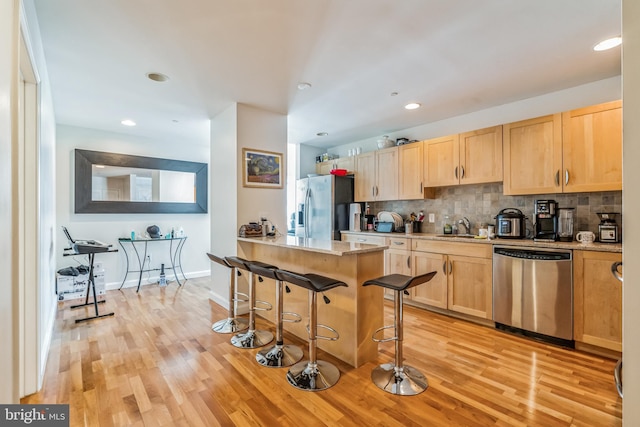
453 56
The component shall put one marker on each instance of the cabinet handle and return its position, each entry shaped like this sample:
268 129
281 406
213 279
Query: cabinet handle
455 172
444 268
420 188
398 243
409 262
461 172
566 177
362 240
558 178
377 190
373 191
450 267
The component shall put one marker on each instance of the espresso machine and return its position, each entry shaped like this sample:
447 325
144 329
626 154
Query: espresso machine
546 221
608 228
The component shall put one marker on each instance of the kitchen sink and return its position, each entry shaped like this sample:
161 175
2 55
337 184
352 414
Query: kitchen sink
464 236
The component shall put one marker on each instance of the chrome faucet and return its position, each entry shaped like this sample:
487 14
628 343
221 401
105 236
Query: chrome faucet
467 224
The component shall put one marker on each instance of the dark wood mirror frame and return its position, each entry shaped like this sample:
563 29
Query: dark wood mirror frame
84 203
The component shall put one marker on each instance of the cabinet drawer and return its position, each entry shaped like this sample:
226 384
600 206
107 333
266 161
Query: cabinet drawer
399 243
364 238
480 250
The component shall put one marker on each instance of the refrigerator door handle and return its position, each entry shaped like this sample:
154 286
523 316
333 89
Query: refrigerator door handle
307 198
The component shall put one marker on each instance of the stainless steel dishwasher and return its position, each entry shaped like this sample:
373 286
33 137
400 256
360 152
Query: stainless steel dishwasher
533 292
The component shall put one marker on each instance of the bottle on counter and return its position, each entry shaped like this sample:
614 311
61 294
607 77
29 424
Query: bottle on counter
447 228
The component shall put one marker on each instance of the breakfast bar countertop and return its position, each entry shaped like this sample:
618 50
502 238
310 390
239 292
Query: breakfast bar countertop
333 247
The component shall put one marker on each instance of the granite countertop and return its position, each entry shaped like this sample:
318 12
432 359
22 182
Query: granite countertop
600 247
332 247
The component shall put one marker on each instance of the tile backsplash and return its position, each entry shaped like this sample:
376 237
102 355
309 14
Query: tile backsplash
481 203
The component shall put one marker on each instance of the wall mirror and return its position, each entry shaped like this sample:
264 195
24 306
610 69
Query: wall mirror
121 183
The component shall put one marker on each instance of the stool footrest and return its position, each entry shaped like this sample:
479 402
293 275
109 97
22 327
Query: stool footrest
324 337
377 331
266 306
296 317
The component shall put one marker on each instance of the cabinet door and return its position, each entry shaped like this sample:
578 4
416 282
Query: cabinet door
597 313
347 163
364 177
434 292
592 148
532 156
469 285
387 174
441 161
410 160
323 168
481 156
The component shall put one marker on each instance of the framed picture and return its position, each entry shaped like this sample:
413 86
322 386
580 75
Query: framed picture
262 169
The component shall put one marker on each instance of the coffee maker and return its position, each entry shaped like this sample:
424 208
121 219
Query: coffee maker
608 228
546 220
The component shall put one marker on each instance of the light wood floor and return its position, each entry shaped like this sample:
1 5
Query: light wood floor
156 362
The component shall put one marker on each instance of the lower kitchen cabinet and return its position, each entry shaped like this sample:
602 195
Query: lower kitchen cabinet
597 312
464 280
397 259
434 292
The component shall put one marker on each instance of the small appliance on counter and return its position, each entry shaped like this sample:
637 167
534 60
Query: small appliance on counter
355 210
565 224
608 228
510 224
546 221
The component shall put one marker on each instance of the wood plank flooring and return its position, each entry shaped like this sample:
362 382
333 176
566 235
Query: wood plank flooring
157 363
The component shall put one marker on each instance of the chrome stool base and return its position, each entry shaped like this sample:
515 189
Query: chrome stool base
405 381
279 356
313 376
230 325
252 339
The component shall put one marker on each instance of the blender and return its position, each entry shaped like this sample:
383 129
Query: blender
565 224
608 228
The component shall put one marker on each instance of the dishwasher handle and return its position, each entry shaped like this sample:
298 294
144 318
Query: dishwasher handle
614 270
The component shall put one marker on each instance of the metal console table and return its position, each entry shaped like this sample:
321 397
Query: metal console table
175 256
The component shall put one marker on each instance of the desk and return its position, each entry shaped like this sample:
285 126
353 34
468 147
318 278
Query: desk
174 245
91 286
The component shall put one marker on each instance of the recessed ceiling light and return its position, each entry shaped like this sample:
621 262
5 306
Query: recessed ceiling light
394 93
128 122
322 134
304 86
158 77
608 44
412 106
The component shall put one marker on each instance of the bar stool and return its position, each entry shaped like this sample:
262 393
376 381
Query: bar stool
231 324
252 338
397 378
313 374
279 355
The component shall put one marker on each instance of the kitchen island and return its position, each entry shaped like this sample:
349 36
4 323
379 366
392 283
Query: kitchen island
354 311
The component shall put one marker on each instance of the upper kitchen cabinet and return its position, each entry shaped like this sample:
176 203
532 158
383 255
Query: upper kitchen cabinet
592 148
324 168
468 158
576 151
376 175
533 155
410 183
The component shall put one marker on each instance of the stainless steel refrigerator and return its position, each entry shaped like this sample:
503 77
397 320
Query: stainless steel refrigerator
323 206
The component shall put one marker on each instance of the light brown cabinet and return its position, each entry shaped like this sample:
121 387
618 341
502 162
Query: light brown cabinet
397 259
597 312
468 158
576 151
376 175
465 269
410 166
592 148
324 168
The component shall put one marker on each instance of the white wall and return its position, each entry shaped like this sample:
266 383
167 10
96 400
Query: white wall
109 227
576 97
8 310
630 210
